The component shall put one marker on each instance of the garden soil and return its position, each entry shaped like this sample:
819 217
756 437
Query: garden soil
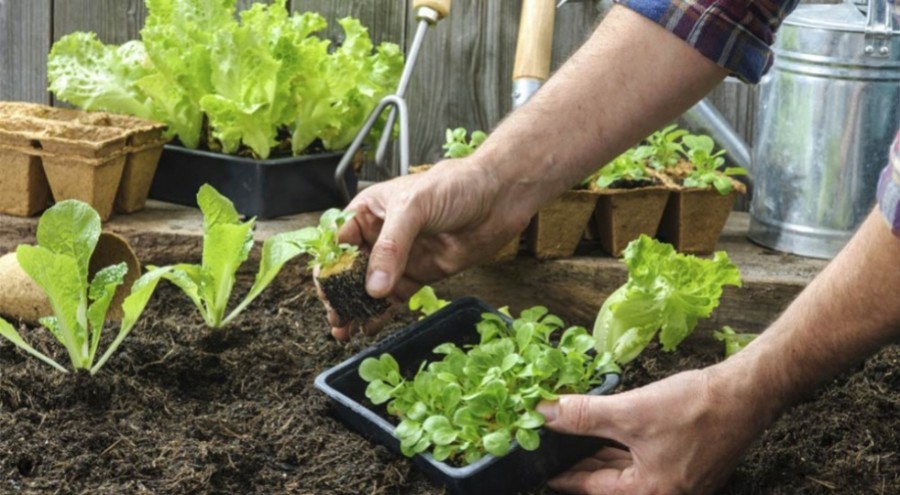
185 410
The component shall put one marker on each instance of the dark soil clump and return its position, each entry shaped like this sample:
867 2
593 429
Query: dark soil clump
186 410
346 292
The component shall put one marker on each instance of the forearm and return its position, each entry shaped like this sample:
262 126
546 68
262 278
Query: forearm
630 78
843 316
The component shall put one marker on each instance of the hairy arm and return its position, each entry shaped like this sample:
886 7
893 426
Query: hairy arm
629 79
850 310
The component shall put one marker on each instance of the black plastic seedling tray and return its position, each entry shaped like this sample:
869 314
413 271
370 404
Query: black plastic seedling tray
260 188
518 471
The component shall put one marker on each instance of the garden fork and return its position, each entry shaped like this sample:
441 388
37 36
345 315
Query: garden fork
428 13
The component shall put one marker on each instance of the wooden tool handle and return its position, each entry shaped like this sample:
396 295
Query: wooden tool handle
535 45
442 7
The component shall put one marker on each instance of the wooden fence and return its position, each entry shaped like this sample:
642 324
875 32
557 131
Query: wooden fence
463 77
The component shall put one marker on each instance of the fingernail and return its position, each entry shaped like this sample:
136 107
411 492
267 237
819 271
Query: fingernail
378 283
548 409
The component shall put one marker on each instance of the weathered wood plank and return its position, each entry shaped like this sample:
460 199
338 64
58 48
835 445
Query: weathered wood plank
24 44
386 19
114 21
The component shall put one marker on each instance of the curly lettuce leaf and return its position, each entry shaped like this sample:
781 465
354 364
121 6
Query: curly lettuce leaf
85 72
666 292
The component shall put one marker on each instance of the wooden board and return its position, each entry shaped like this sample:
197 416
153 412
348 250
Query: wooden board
25 29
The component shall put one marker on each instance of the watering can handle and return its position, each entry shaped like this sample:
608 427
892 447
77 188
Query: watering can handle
441 7
879 28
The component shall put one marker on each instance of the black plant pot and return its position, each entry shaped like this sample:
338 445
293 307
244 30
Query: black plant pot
261 188
520 470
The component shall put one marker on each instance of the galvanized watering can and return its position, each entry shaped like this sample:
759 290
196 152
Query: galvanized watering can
827 113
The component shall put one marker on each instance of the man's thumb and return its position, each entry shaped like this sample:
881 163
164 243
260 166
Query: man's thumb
583 415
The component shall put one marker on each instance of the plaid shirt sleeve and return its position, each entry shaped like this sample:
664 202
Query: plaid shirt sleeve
735 34
889 189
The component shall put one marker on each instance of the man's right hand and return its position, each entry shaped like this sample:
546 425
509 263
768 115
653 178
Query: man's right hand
424 227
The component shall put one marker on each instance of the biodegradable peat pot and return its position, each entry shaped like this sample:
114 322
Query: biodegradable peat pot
24 300
24 190
509 251
694 218
261 188
558 227
91 154
518 471
137 177
344 286
95 182
622 215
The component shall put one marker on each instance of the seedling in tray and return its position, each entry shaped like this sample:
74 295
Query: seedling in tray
476 401
341 268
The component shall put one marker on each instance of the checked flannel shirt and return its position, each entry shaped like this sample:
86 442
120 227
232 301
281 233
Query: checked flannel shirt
737 35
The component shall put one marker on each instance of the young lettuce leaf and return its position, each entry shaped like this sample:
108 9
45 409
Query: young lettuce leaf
426 302
226 246
67 236
666 292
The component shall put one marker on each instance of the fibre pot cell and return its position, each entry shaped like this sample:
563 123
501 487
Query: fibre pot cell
558 227
622 215
518 471
261 188
509 251
137 176
24 190
694 218
24 300
95 182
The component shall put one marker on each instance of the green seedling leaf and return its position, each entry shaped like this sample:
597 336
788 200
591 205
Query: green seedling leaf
9 333
528 439
498 442
734 342
426 302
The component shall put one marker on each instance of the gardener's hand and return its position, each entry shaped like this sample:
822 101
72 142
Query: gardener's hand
684 434
427 226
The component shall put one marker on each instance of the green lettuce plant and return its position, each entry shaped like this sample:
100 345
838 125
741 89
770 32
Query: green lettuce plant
664 148
321 241
734 341
706 162
629 166
426 302
458 145
666 293
476 401
66 238
226 246
252 78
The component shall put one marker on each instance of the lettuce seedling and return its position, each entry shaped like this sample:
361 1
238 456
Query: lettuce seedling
226 246
666 292
706 163
66 238
475 402
426 302
734 342
629 167
341 268
457 146
664 147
